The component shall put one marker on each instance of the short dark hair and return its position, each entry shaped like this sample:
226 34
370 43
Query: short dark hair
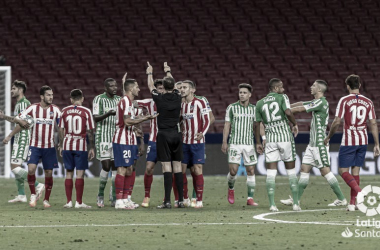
108 81
44 89
158 82
322 82
76 94
191 83
273 82
353 81
168 83
246 85
20 84
128 83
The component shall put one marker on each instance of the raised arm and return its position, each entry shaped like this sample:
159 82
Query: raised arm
167 70
149 72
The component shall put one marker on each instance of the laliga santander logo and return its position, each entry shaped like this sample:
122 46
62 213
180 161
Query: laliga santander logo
371 196
347 233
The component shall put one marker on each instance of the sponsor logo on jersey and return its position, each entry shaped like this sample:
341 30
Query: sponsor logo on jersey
44 121
188 116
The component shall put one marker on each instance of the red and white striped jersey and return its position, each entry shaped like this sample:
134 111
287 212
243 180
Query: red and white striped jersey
355 109
195 119
124 134
44 122
150 106
76 120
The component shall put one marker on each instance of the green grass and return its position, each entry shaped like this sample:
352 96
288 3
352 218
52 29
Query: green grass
59 228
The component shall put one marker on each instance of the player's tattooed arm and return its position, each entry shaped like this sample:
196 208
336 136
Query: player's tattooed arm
334 127
91 139
6 117
16 130
297 104
298 109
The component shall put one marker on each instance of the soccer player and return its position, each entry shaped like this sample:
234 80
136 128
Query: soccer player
76 121
274 111
169 143
355 109
195 122
46 117
104 111
125 143
240 121
317 154
21 143
151 154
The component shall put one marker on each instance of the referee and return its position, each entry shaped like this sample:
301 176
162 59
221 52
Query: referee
169 136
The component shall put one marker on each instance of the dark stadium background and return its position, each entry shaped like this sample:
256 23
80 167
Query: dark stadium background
217 43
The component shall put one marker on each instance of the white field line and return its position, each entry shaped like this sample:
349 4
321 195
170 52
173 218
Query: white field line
136 224
262 217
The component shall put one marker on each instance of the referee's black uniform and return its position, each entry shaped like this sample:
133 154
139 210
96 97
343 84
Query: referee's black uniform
169 136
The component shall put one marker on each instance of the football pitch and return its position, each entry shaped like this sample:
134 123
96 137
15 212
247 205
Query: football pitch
219 225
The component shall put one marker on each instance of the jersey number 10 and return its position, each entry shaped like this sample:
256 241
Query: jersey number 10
75 124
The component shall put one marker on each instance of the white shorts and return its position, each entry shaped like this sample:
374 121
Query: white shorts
236 151
280 151
104 151
19 154
318 157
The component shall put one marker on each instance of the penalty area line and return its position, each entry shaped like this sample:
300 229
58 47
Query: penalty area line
262 217
136 224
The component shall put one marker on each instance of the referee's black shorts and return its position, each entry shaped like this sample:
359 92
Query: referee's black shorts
169 146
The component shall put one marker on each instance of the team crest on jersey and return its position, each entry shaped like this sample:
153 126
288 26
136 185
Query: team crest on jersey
191 107
127 161
51 113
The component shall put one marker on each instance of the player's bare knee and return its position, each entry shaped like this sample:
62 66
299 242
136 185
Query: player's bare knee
80 174
250 171
48 173
324 171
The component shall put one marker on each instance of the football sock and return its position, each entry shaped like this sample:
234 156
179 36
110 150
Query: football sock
231 181
132 183
119 186
69 189
353 192
31 182
179 185
114 173
334 184
148 179
185 190
103 178
302 183
174 186
21 176
79 186
126 186
350 180
48 186
194 196
168 182
251 184
271 184
199 186
293 182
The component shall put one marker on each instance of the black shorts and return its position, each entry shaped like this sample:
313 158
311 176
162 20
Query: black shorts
169 146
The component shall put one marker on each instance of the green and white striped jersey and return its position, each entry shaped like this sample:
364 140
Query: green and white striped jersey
242 120
320 111
271 111
105 129
24 135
